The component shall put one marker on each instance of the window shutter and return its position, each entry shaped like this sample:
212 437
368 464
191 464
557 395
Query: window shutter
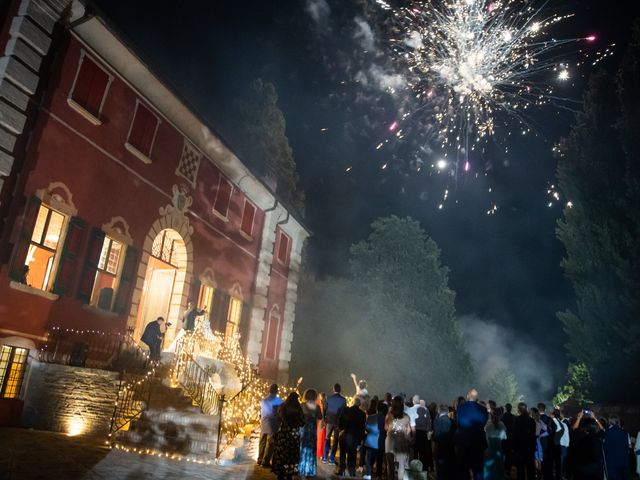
127 280
219 311
142 130
283 248
194 296
245 324
90 86
223 197
247 218
16 270
69 258
88 276
272 339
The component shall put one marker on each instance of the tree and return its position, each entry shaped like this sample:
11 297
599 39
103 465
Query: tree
392 322
577 385
598 171
503 387
260 138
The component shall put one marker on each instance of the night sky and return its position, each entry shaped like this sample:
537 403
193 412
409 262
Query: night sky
505 267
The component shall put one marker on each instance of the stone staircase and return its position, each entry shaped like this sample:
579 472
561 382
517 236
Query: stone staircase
243 449
172 424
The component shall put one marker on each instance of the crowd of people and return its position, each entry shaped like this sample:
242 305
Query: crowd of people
395 437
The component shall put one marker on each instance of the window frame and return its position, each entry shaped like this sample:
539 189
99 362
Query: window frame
56 252
234 301
132 148
117 276
6 375
91 117
222 216
248 236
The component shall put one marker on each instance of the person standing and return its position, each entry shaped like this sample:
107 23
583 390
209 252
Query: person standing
189 317
508 419
494 456
398 441
336 403
152 337
585 459
541 434
546 443
559 441
268 425
524 443
617 445
373 432
422 429
286 450
352 427
308 438
471 440
443 440
322 428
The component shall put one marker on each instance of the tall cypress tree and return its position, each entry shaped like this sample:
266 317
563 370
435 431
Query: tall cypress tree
598 169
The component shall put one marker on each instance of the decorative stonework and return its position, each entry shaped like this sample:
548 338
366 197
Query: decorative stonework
118 229
236 291
189 163
58 196
208 278
177 211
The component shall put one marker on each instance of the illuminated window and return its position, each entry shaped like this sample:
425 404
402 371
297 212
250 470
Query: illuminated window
233 320
283 248
205 298
164 249
90 87
13 363
223 197
248 215
107 273
43 247
142 133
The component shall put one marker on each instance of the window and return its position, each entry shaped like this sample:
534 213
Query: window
164 249
43 247
89 89
283 248
233 320
13 364
205 298
189 163
142 133
223 198
107 273
273 327
248 214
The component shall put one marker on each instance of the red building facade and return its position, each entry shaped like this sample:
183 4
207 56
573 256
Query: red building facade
121 205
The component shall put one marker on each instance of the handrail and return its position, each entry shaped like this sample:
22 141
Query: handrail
196 382
132 398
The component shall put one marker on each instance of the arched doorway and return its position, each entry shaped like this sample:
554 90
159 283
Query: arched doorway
164 282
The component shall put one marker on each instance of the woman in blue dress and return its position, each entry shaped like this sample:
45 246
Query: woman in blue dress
308 438
493 455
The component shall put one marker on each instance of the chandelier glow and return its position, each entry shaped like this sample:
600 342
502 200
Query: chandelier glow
469 61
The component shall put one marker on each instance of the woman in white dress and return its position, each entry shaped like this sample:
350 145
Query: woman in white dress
397 443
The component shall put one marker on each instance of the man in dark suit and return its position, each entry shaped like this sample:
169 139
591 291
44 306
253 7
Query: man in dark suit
508 419
352 424
524 443
471 440
189 318
152 336
443 439
336 403
617 447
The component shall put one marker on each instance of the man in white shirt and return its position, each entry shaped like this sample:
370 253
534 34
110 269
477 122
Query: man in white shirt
560 442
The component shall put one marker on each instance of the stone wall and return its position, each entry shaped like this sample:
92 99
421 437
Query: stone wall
72 400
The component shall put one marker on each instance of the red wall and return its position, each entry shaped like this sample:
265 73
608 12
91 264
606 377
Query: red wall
103 189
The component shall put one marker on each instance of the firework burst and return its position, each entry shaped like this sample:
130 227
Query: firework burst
474 64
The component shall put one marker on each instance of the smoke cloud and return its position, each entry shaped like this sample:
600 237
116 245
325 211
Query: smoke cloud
493 347
319 11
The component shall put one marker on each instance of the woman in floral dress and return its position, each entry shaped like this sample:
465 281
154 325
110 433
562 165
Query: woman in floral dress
286 453
312 413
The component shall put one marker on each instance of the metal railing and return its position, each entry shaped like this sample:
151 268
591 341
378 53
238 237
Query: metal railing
196 382
94 349
134 394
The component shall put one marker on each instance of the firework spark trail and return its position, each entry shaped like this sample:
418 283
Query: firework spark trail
469 62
